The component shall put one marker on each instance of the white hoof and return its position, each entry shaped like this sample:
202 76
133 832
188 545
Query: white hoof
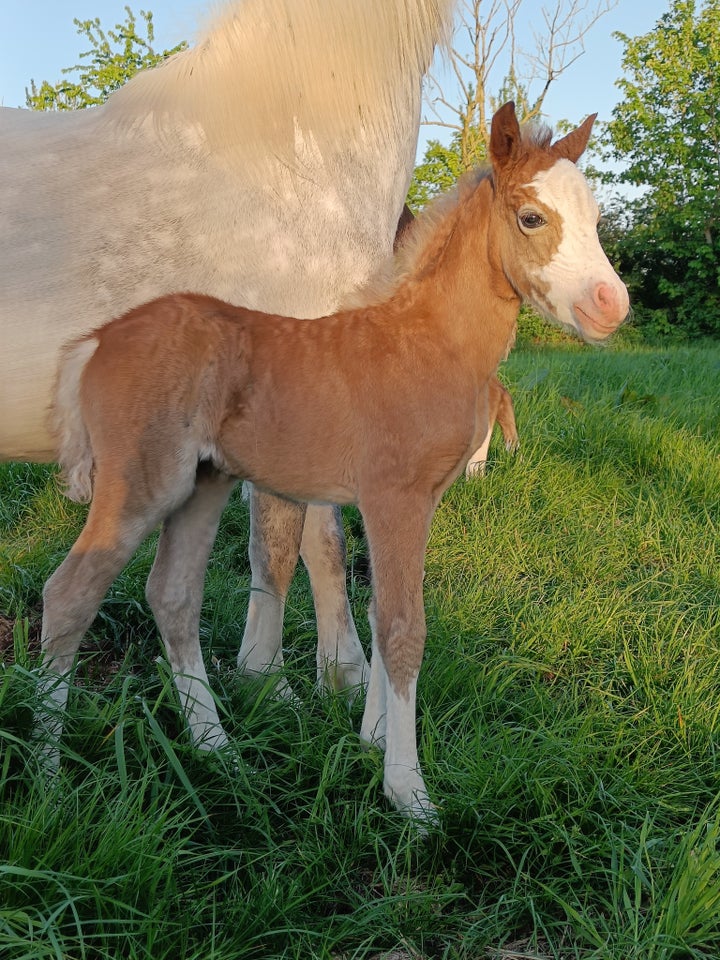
372 733
276 685
210 738
476 468
406 790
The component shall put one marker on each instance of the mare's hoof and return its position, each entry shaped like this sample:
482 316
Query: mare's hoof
348 679
211 740
275 686
422 813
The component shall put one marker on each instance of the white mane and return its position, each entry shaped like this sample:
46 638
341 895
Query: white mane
265 69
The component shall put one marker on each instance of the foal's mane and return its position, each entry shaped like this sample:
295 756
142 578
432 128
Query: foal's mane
262 70
423 243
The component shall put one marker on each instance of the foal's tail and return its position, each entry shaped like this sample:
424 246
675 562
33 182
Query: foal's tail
74 451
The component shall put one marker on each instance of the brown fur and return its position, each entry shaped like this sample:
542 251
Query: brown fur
502 411
402 402
500 404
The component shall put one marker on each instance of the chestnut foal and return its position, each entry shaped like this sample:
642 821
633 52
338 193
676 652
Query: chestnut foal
187 391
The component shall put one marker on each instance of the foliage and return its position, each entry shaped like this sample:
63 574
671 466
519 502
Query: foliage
534 330
440 168
486 69
115 56
666 132
568 719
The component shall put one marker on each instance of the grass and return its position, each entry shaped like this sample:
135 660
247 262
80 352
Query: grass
569 719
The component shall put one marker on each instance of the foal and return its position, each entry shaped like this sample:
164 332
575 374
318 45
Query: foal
188 390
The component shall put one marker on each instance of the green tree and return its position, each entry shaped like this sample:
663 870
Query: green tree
114 57
666 133
440 168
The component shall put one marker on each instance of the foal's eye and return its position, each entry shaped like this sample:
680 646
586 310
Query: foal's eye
531 219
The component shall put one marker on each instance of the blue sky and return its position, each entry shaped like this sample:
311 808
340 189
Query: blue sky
39 38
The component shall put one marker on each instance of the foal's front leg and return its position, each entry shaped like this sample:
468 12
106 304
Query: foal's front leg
175 592
397 531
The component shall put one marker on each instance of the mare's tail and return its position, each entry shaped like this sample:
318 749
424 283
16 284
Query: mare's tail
74 452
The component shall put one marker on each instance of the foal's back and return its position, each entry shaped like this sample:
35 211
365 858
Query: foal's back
306 409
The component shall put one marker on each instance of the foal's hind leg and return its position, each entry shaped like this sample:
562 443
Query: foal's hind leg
275 534
175 592
341 663
73 594
397 527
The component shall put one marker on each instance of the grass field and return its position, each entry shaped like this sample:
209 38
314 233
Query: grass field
569 719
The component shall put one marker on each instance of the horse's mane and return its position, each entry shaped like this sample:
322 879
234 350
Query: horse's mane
265 69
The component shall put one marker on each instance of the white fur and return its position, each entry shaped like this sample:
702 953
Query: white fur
236 169
389 723
564 188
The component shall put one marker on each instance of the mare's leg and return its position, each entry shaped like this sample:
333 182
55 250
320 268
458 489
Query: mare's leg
276 527
175 592
341 663
375 713
115 527
397 527
501 411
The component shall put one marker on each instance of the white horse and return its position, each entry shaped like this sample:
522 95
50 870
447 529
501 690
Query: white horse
267 165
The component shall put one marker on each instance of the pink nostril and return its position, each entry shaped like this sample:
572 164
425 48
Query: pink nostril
605 297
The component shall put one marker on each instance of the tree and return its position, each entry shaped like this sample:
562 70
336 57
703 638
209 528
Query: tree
666 133
487 65
439 170
106 68
486 68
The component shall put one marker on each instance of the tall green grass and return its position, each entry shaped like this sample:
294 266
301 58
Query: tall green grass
568 718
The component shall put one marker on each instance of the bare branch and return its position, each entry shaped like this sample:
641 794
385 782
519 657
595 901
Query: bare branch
487 63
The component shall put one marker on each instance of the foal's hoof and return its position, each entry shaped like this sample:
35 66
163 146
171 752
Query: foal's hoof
229 761
412 801
210 739
422 813
48 758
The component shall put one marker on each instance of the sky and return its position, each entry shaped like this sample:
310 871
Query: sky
39 38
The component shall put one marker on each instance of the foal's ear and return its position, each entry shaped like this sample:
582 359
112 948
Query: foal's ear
573 145
504 136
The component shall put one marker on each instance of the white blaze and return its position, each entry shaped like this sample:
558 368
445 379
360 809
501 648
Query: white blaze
579 264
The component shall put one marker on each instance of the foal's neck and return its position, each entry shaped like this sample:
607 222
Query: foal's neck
478 305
